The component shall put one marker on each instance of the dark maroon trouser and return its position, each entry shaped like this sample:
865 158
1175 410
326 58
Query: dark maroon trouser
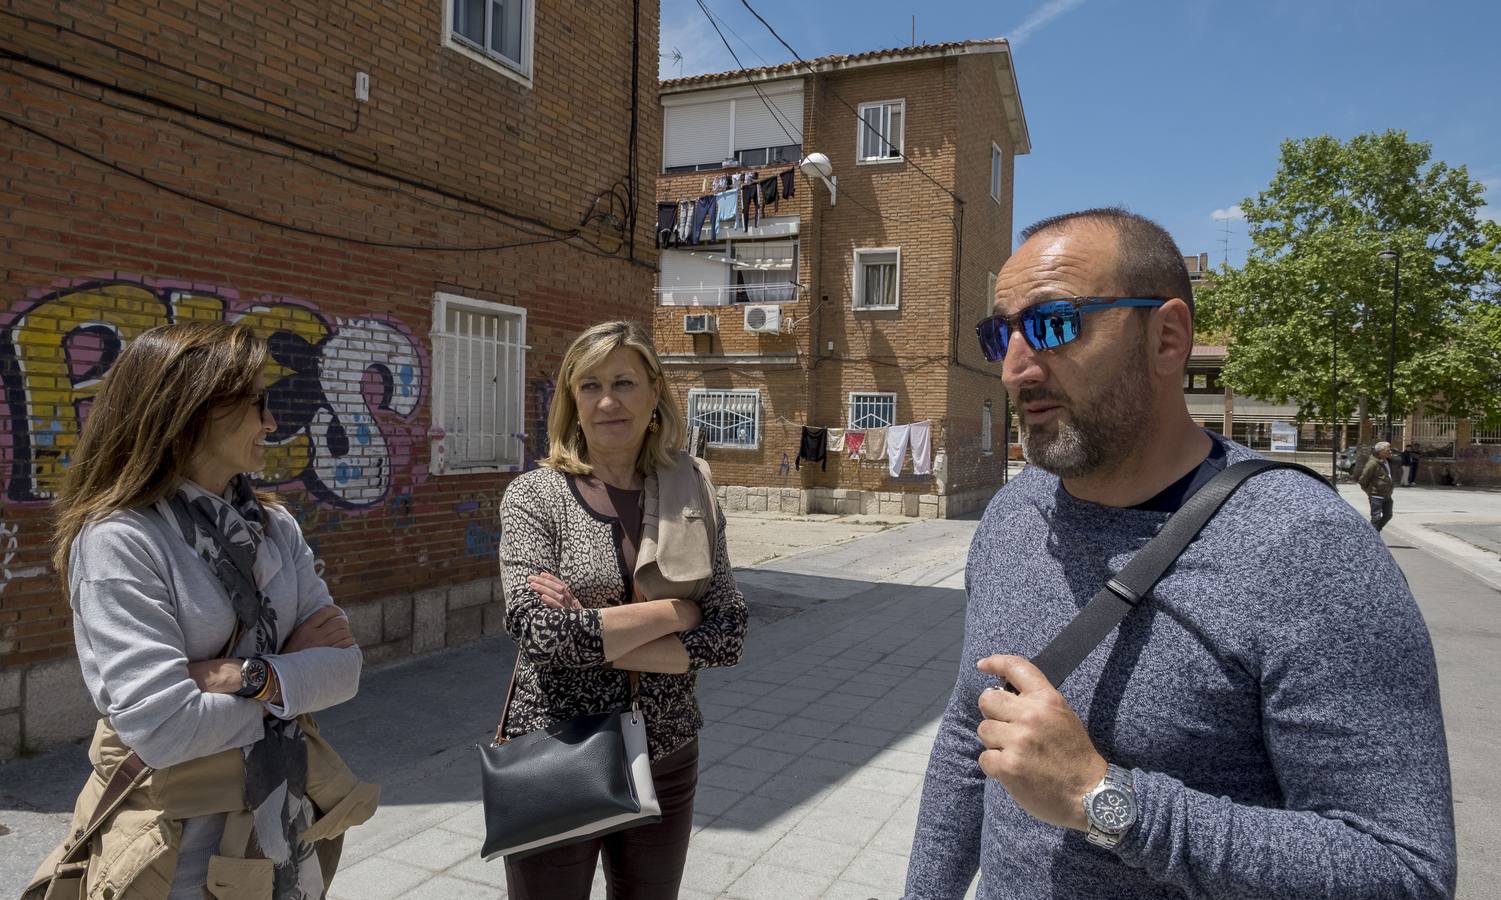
642 863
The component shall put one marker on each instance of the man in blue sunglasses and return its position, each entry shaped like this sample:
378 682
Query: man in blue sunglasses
1265 723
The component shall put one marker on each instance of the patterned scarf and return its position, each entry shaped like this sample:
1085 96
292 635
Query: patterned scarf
227 532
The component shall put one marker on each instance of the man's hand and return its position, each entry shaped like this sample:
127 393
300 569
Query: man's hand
553 591
327 627
1036 746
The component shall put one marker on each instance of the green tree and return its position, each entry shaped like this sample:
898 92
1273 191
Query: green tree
1314 274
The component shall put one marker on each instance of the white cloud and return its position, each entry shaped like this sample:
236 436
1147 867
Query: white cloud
1049 11
1234 212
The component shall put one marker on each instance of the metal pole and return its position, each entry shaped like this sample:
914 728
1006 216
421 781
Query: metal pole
1333 396
1005 437
1391 359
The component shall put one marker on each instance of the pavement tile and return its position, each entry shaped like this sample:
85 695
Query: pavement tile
858 801
787 743
777 704
886 781
844 891
760 812
738 735
796 692
896 835
825 770
470 822
900 761
828 712
877 868
757 718
713 801
843 751
735 840
435 850
732 777
837 827
476 869
710 873
858 733
711 751
865 688
769 880
812 855
376 879
920 742
444 887
810 727
761 759
848 701
794 789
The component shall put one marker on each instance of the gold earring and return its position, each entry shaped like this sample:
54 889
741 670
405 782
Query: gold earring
655 425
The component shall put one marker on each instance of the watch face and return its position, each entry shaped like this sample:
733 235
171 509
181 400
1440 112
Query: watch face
253 674
1112 809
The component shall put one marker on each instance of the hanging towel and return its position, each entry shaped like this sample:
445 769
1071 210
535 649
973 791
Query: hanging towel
667 223
836 440
920 439
875 444
853 442
896 447
789 183
769 195
701 210
815 447
727 211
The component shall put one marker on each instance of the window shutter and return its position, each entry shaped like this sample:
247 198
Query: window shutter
692 279
696 134
756 127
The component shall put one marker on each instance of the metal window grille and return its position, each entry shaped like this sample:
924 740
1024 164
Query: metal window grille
872 410
1486 435
986 441
728 418
1434 436
479 366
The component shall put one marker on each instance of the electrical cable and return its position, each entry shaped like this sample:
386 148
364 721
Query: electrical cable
775 114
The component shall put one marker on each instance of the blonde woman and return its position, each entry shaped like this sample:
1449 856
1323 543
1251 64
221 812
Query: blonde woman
584 536
204 633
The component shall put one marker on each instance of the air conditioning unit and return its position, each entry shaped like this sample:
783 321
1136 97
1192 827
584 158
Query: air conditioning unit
766 318
700 323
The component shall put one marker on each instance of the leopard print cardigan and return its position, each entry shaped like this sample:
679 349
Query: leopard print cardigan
562 672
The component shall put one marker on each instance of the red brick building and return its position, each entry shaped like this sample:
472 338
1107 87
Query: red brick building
850 311
417 204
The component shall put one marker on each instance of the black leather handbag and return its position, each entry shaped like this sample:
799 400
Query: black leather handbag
577 779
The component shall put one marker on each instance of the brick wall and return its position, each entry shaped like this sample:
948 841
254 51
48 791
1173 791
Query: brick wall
446 154
905 351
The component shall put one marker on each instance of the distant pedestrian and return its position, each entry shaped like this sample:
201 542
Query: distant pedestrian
1264 722
205 635
1376 479
1411 457
617 513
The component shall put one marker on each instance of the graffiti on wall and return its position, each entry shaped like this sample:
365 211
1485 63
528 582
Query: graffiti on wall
345 392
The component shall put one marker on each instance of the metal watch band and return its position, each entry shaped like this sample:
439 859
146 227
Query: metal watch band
1120 779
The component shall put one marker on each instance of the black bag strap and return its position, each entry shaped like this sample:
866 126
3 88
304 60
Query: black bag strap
1135 582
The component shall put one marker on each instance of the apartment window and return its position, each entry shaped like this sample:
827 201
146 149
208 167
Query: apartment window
479 366
729 418
986 442
995 173
764 271
881 130
499 31
876 410
753 128
878 275
1202 381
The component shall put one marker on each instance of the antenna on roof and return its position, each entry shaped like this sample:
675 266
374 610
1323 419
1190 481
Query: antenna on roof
676 56
1225 245
914 30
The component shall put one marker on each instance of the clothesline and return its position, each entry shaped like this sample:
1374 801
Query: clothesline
886 442
737 199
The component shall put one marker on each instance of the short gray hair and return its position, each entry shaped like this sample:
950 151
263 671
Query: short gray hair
1381 445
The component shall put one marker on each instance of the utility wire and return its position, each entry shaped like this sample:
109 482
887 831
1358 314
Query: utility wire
853 111
742 40
767 103
285 226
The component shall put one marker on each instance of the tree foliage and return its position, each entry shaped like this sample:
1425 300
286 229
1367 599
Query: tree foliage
1315 275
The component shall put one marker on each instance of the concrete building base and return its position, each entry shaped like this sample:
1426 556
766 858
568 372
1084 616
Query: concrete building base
850 502
46 704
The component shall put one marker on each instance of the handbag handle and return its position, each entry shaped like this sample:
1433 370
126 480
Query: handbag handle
1135 582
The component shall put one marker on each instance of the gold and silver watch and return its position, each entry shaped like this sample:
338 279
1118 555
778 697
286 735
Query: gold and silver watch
1111 807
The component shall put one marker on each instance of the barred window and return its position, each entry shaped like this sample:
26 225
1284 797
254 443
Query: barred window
729 418
479 365
874 410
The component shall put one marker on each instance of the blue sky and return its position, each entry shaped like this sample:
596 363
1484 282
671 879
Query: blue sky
1175 108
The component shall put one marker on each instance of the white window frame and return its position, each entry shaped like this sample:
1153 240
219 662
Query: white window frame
859 278
518 71
695 395
510 400
868 396
900 144
987 309
987 429
997 171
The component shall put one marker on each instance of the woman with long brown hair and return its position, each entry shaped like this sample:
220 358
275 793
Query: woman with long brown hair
205 635
618 583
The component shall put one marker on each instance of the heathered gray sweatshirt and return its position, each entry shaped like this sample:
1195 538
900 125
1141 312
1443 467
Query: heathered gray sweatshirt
1275 697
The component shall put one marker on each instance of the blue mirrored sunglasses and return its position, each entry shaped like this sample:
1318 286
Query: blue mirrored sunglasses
1050 324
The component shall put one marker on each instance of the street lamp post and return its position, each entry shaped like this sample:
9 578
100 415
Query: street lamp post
1333 396
1395 255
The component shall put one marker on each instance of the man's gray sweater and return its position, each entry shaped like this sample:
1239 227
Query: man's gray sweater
1276 698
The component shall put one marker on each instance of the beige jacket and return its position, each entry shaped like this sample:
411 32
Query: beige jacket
679 530
134 856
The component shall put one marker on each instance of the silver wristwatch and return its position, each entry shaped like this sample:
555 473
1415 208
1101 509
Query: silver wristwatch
1111 807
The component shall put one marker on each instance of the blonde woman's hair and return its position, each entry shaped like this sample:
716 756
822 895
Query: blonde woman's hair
149 417
565 437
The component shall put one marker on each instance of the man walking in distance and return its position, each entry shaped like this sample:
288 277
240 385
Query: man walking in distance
1267 719
1376 480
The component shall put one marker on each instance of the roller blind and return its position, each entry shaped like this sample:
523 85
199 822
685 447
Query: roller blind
696 134
756 127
